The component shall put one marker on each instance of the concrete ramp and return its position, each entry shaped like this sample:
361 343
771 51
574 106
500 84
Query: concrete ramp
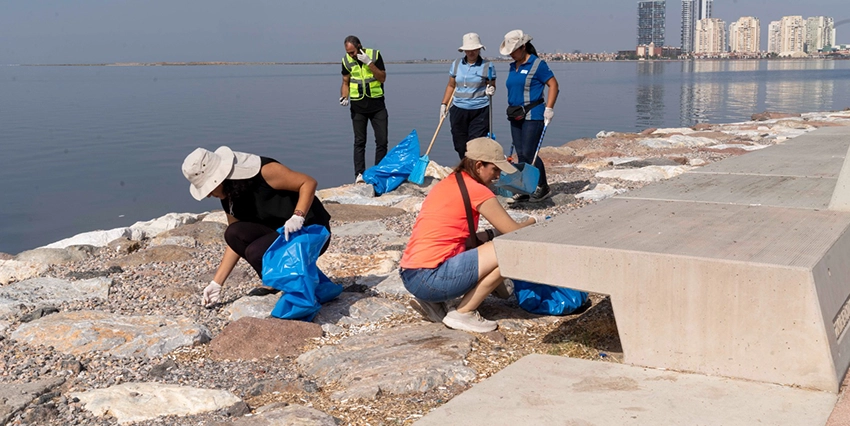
550 390
737 269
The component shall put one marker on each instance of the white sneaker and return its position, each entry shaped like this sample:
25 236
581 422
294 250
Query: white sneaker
359 179
470 321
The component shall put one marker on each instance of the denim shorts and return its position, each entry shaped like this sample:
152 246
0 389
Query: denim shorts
452 279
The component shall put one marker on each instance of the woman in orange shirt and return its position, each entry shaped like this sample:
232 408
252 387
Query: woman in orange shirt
437 264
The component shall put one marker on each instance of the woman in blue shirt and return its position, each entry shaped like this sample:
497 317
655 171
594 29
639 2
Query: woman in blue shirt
527 77
471 80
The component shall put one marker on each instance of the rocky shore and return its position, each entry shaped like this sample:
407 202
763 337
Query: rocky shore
106 327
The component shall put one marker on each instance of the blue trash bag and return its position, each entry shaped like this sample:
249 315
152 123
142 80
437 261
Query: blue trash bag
290 266
547 300
394 169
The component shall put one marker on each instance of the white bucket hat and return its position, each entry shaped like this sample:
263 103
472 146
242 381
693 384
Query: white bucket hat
513 40
471 41
206 170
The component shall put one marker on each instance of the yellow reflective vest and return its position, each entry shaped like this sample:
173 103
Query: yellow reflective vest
362 82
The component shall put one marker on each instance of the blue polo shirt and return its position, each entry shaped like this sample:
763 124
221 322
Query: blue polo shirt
521 91
471 81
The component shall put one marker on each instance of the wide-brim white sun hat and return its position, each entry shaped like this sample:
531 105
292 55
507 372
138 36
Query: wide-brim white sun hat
513 41
205 170
471 41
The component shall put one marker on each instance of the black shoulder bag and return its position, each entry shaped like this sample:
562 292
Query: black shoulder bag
472 240
517 113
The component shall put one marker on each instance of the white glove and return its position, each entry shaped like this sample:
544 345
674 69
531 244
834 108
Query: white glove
343 101
212 294
444 110
541 219
363 57
548 113
292 226
490 90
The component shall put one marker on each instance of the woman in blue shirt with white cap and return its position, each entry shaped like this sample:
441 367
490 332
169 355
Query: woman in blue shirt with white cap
528 110
472 80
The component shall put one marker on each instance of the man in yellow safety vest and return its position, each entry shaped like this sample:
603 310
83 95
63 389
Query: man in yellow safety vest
363 76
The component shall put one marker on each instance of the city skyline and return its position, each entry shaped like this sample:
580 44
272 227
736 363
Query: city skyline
102 31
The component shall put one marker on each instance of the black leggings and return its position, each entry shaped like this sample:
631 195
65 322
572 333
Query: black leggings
251 240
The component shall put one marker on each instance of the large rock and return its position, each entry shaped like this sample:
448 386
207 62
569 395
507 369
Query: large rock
644 174
50 291
352 265
677 141
391 285
356 309
257 338
770 115
53 256
356 213
98 238
279 414
16 396
154 227
81 332
406 359
15 270
165 254
136 402
252 307
204 232
600 192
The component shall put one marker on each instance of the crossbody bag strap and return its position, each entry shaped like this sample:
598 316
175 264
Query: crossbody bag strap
472 239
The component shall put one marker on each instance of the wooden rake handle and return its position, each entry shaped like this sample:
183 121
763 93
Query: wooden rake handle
438 126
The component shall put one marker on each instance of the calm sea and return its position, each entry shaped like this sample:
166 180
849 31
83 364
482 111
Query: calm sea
87 148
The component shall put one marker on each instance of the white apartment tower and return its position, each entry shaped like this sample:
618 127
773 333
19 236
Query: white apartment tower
693 11
744 35
773 36
820 32
710 36
791 36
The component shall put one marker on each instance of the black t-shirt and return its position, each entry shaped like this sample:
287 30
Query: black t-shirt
368 105
262 204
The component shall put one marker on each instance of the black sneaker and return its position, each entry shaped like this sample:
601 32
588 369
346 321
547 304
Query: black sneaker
540 194
518 198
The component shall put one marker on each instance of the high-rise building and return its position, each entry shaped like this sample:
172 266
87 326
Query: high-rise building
774 36
652 17
710 36
744 35
693 11
791 36
820 32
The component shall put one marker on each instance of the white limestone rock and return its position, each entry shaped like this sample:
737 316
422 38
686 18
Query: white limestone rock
16 270
154 227
252 306
669 130
677 141
98 238
600 192
644 174
136 402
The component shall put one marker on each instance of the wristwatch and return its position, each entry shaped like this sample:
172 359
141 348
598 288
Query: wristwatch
298 213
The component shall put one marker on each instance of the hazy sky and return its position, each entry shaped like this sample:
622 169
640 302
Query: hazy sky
95 31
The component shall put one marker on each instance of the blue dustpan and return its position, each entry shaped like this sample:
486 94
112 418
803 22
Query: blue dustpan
522 182
525 180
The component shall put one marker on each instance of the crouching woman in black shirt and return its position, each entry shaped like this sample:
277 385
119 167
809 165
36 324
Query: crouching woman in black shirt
259 195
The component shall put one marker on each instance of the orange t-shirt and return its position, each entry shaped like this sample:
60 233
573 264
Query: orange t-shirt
441 230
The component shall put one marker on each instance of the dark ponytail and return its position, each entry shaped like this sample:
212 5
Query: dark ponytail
530 49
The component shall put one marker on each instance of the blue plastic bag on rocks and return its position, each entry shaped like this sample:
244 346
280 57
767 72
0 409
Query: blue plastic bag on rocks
290 266
396 166
547 300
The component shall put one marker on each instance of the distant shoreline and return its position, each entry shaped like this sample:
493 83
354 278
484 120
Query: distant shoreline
426 61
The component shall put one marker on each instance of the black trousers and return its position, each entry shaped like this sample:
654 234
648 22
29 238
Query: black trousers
468 124
380 123
251 240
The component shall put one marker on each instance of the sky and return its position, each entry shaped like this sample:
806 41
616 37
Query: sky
107 31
